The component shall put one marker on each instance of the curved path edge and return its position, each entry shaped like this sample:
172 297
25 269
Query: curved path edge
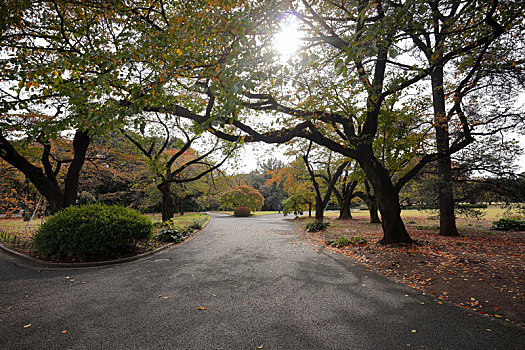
39 264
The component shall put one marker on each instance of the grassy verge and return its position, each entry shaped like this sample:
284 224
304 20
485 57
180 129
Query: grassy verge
257 213
185 219
492 213
15 234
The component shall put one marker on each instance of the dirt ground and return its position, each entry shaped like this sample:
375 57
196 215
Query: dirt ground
482 270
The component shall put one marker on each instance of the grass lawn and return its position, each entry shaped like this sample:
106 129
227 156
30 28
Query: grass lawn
186 218
257 213
492 213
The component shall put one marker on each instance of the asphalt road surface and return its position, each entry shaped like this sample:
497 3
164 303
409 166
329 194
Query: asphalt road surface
262 288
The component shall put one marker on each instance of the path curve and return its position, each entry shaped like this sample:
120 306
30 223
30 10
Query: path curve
262 286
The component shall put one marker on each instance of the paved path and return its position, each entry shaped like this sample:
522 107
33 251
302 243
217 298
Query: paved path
262 287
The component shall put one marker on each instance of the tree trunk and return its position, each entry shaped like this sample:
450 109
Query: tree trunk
372 209
168 203
447 218
80 146
344 209
309 210
394 230
319 210
345 199
27 214
371 203
181 206
45 182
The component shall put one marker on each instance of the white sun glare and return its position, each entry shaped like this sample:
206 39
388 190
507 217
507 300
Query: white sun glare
288 40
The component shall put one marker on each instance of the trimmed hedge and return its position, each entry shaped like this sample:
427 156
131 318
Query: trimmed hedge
91 231
242 212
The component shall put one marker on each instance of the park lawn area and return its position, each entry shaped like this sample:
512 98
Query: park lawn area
184 220
491 213
482 270
257 213
17 226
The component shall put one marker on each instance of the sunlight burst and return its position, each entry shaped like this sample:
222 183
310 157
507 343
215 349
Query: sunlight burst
288 40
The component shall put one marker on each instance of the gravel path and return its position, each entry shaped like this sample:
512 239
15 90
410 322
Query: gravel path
262 287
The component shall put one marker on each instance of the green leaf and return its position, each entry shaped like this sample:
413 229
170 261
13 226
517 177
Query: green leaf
393 53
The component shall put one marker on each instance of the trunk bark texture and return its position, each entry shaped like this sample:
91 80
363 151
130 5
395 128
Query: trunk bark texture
447 218
394 230
168 203
344 209
319 210
371 203
181 206
80 146
372 209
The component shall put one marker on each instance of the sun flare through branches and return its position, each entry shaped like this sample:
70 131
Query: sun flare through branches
288 40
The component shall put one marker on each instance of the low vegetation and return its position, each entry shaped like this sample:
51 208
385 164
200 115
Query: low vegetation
509 225
91 231
317 226
15 234
241 212
344 241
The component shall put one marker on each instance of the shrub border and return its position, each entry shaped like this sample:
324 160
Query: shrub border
81 265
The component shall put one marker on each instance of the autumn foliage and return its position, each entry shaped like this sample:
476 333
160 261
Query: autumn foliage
243 196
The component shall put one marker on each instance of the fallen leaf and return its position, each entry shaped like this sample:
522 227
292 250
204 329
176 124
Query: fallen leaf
27 325
64 331
260 347
414 331
159 296
202 307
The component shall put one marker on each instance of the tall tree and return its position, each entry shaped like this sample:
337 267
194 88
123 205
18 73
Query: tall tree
171 158
322 199
362 40
440 29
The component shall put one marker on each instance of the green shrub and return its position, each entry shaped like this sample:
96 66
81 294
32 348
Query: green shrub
91 231
195 225
241 211
317 226
175 234
344 241
509 225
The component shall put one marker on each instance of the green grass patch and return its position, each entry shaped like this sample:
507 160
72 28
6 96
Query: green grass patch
344 241
189 217
492 213
257 213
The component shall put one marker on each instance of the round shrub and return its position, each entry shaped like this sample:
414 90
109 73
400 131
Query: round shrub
91 231
242 211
